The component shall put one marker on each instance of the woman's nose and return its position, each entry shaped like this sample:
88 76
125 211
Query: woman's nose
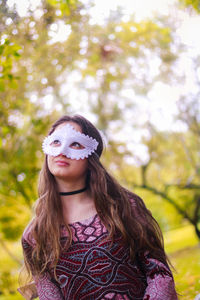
62 154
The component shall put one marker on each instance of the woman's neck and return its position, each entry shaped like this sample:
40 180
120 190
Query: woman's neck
78 207
73 192
69 186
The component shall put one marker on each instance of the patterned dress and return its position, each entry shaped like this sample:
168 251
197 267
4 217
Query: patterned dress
93 268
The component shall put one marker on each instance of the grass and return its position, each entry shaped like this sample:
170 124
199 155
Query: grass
180 244
187 275
183 249
12 297
180 238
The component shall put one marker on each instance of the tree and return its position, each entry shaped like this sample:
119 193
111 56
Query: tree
113 58
192 3
172 169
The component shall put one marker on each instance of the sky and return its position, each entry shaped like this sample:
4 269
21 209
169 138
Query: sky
142 8
160 112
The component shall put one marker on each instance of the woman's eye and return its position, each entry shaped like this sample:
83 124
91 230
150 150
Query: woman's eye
55 143
76 145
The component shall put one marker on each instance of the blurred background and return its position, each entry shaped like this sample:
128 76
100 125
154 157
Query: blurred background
133 69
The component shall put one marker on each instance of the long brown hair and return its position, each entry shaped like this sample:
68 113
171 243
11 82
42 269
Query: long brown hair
119 209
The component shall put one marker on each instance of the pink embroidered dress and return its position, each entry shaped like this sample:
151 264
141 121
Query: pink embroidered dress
93 268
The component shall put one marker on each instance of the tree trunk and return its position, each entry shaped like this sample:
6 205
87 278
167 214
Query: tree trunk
197 231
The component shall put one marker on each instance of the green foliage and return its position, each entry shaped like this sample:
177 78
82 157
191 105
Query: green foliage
9 52
15 296
9 273
65 6
7 283
115 56
13 218
171 175
42 69
186 263
194 3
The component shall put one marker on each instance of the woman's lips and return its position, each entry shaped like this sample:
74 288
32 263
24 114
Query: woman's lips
62 163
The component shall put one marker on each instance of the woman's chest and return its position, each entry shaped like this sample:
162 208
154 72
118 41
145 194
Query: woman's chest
95 266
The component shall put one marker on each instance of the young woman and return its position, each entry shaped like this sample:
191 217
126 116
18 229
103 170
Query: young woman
90 237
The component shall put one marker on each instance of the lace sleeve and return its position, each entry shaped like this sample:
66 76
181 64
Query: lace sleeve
46 288
160 282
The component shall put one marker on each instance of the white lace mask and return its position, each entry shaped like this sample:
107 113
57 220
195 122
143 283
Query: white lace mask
69 142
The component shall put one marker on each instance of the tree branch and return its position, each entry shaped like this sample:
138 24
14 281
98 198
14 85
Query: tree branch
186 186
196 211
167 198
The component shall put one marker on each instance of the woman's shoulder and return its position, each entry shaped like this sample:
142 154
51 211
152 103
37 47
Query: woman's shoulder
136 202
133 197
139 209
27 236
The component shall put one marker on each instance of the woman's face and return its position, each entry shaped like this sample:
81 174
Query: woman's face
66 168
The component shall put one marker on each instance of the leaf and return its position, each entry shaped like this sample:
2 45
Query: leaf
16 54
10 76
2 87
1 49
13 84
7 42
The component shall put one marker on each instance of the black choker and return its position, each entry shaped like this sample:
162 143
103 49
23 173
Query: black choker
73 192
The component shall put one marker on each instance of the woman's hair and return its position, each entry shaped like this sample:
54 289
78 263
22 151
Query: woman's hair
120 210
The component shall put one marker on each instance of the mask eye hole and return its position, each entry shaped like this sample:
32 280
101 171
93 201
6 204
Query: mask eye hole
76 145
56 143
